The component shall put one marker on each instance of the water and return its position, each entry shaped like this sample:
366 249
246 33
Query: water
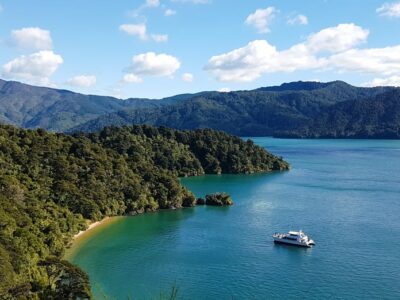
345 194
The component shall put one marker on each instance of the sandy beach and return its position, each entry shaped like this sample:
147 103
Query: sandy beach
91 226
80 238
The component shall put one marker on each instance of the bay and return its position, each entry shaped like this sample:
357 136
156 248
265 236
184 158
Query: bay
344 193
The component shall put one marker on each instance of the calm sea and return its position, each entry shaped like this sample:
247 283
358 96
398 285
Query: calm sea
344 193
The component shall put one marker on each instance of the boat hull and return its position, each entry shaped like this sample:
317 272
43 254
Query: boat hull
292 244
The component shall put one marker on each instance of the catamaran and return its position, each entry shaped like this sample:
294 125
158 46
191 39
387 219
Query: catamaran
295 238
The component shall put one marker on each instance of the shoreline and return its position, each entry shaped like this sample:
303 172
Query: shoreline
78 239
90 227
82 236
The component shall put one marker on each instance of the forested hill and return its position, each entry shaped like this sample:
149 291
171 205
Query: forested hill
50 183
377 117
290 110
272 111
58 110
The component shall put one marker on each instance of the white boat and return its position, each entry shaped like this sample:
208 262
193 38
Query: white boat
295 238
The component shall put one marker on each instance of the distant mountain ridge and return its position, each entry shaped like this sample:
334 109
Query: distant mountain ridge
296 109
290 110
58 110
375 118
299 86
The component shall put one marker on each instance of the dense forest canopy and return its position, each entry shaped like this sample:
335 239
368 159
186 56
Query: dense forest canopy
30 106
300 109
296 109
51 183
376 118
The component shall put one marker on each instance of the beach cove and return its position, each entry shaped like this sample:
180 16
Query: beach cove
343 193
92 231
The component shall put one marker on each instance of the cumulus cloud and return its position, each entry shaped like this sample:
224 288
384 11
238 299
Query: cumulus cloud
383 61
32 38
140 30
298 20
35 68
331 48
151 64
261 19
188 77
336 39
132 78
246 63
390 10
390 81
169 12
82 81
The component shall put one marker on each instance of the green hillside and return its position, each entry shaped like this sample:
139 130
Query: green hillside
275 111
52 183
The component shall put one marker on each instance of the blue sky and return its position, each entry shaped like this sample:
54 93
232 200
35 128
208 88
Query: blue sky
158 48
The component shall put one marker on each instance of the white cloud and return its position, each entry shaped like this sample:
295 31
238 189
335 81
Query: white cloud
193 1
152 3
147 4
152 64
82 81
390 9
140 30
379 61
243 64
261 19
1 8
35 68
159 38
339 38
298 20
224 90
329 49
132 78
390 81
32 38
169 12
188 77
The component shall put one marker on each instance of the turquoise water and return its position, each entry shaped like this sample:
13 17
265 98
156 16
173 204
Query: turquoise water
344 194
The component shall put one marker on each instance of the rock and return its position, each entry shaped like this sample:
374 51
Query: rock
200 201
189 200
219 199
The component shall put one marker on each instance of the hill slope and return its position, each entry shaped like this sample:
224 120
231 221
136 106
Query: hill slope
295 109
50 183
376 117
262 112
58 110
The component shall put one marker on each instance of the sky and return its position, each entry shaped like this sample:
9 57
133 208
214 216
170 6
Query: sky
160 48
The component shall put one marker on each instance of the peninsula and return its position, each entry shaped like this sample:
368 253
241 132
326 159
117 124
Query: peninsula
52 184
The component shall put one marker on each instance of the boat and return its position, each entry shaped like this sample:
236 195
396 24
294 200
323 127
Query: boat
295 238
